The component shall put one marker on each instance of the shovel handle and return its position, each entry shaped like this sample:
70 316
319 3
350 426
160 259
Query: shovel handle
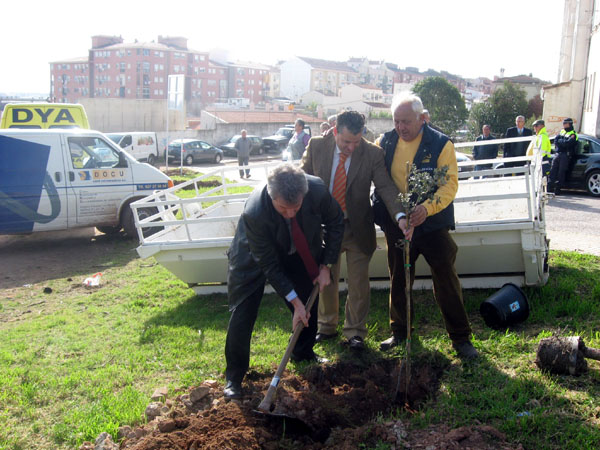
592 353
265 405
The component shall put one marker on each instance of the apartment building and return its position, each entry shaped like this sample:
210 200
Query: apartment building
249 80
140 70
300 75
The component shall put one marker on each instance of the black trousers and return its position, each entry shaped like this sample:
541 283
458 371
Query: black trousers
243 317
558 172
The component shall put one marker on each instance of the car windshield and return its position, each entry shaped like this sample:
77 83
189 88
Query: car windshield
287 132
234 139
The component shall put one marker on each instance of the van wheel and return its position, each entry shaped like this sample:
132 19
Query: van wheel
108 229
218 158
189 160
151 159
128 221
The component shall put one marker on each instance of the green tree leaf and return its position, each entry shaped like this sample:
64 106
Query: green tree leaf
444 102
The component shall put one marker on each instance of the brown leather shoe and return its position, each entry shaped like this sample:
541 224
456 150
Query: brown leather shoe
465 350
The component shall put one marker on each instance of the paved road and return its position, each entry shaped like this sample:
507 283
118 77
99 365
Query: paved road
572 223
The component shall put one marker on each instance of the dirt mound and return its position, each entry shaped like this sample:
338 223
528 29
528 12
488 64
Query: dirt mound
327 407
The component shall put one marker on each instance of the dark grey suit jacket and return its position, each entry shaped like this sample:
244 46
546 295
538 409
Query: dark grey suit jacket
263 239
512 149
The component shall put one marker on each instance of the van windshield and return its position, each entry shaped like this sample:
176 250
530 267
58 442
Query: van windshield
116 138
92 153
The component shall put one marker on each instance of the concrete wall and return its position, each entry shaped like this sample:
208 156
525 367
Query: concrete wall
114 114
557 106
223 131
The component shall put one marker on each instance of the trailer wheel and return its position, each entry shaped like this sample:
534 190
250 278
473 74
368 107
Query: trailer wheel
592 183
109 229
128 221
151 159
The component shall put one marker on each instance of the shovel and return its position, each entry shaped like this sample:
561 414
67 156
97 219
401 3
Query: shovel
565 355
265 405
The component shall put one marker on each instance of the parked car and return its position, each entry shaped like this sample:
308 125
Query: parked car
279 141
194 151
462 157
256 149
584 169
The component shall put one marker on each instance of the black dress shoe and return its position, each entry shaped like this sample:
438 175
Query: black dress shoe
391 342
324 337
356 343
314 358
233 390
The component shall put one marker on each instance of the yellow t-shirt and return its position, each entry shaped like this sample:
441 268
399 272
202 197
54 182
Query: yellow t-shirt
406 151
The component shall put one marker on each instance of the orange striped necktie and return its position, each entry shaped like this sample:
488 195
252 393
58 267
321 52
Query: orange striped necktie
339 182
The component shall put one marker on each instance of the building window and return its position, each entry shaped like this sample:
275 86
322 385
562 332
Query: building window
146 52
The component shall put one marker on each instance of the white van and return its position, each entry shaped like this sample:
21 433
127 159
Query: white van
60 179
141 145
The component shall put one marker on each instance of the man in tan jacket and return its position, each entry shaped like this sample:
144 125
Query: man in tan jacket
348 164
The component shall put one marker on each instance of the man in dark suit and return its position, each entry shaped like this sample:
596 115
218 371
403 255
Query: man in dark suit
288 234
346 155
514 149
489 151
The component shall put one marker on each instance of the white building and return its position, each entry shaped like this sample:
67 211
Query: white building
577 93
300 75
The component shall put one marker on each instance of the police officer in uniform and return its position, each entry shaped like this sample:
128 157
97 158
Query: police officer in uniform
565 143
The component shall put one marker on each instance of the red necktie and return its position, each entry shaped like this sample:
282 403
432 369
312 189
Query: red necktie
339 182
303 250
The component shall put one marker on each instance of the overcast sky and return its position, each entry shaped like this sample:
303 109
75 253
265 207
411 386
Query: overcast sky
469 38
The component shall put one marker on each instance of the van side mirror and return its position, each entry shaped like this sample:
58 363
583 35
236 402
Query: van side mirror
122 160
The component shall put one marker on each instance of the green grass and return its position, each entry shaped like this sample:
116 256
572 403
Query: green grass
87 361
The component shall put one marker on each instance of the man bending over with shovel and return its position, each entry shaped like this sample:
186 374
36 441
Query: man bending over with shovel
291 230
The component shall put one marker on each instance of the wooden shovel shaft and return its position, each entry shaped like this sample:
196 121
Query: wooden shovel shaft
265 405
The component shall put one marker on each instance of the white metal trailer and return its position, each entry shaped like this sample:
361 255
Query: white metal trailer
500 229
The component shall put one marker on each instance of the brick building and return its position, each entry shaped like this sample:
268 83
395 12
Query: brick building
140 70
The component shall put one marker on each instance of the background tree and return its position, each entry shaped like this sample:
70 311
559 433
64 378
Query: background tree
500 110
535 107
444 102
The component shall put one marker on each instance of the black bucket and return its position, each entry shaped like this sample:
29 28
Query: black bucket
506 307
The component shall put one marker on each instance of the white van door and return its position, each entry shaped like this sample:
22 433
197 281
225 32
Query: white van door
99 180
32 183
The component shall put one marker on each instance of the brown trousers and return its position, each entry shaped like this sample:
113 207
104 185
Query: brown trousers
439 250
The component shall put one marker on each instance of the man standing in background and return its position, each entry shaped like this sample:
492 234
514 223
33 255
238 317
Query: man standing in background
514 149
243 146
489 151
541 144
565 143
